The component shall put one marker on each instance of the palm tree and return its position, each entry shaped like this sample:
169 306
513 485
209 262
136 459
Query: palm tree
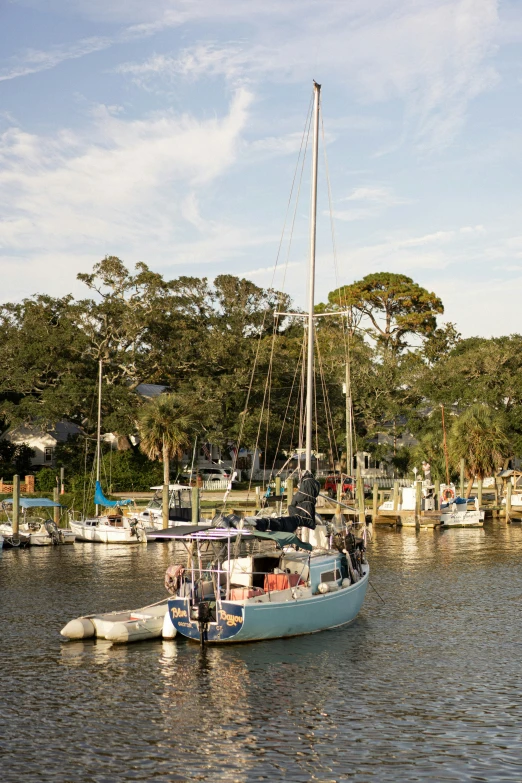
165 431
479 437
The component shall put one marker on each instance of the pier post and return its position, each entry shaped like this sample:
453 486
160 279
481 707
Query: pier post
395 495
165 505
462 469
56 509
418 500
509 488
339 489
375 500
479 493
360 494
436 492
62 481
289 491
195 505
258 498
278 486
16 505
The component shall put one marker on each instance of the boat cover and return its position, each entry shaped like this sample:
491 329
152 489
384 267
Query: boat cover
283 539
34 503
101 500
458 501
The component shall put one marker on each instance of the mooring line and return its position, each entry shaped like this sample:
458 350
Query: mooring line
374 588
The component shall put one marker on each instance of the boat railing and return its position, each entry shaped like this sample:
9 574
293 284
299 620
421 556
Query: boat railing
221 572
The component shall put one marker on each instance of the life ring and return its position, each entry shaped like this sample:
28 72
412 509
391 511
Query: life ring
448 494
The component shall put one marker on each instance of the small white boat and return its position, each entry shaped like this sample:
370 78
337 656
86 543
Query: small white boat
180 509
457 514
134 625
113 528
35 531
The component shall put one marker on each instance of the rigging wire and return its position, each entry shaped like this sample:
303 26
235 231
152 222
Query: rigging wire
347 321
305 134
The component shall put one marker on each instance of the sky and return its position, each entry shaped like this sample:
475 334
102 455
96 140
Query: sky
168 132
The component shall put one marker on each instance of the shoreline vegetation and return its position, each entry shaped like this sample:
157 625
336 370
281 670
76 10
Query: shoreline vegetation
210 344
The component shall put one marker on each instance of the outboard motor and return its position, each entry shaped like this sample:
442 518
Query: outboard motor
202 613
53 532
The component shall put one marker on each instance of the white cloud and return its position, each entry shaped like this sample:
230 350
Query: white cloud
433 55
125 184
376 195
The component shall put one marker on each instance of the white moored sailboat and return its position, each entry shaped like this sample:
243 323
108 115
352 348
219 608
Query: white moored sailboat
116 526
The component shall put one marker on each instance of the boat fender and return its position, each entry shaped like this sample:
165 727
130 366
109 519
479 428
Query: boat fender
346 583
169 631
323 587
173 578
81 628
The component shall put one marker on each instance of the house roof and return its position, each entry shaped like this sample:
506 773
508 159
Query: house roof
150 389
60 432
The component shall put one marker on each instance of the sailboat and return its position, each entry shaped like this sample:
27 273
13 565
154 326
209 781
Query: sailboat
113 527
454 510
256 578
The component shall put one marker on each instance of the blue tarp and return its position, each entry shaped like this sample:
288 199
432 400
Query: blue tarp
34 502
101 500
458 500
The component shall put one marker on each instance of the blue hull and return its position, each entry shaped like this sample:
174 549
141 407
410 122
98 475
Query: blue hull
237 622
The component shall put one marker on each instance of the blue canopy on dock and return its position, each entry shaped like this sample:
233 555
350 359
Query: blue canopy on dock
101 500
34 503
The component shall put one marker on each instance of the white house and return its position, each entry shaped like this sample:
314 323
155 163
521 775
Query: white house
41 440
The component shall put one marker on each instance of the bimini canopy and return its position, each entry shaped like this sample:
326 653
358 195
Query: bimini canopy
34 503
101 500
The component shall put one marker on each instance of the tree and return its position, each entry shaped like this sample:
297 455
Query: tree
479 370
165 431
479 437
393 304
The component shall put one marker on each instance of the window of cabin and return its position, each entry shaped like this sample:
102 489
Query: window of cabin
331 576
48 454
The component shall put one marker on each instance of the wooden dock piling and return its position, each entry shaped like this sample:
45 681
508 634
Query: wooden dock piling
375 500
462 469
436 491
395 495
56 509
509 488
165 505
195 505
16 506
289 491
418 501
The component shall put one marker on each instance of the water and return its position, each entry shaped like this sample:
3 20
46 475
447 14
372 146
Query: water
423 688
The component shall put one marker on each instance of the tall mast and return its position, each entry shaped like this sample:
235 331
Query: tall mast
98 435
349 425
313 220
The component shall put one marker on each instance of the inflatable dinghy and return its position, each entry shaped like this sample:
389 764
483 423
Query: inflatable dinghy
149 622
